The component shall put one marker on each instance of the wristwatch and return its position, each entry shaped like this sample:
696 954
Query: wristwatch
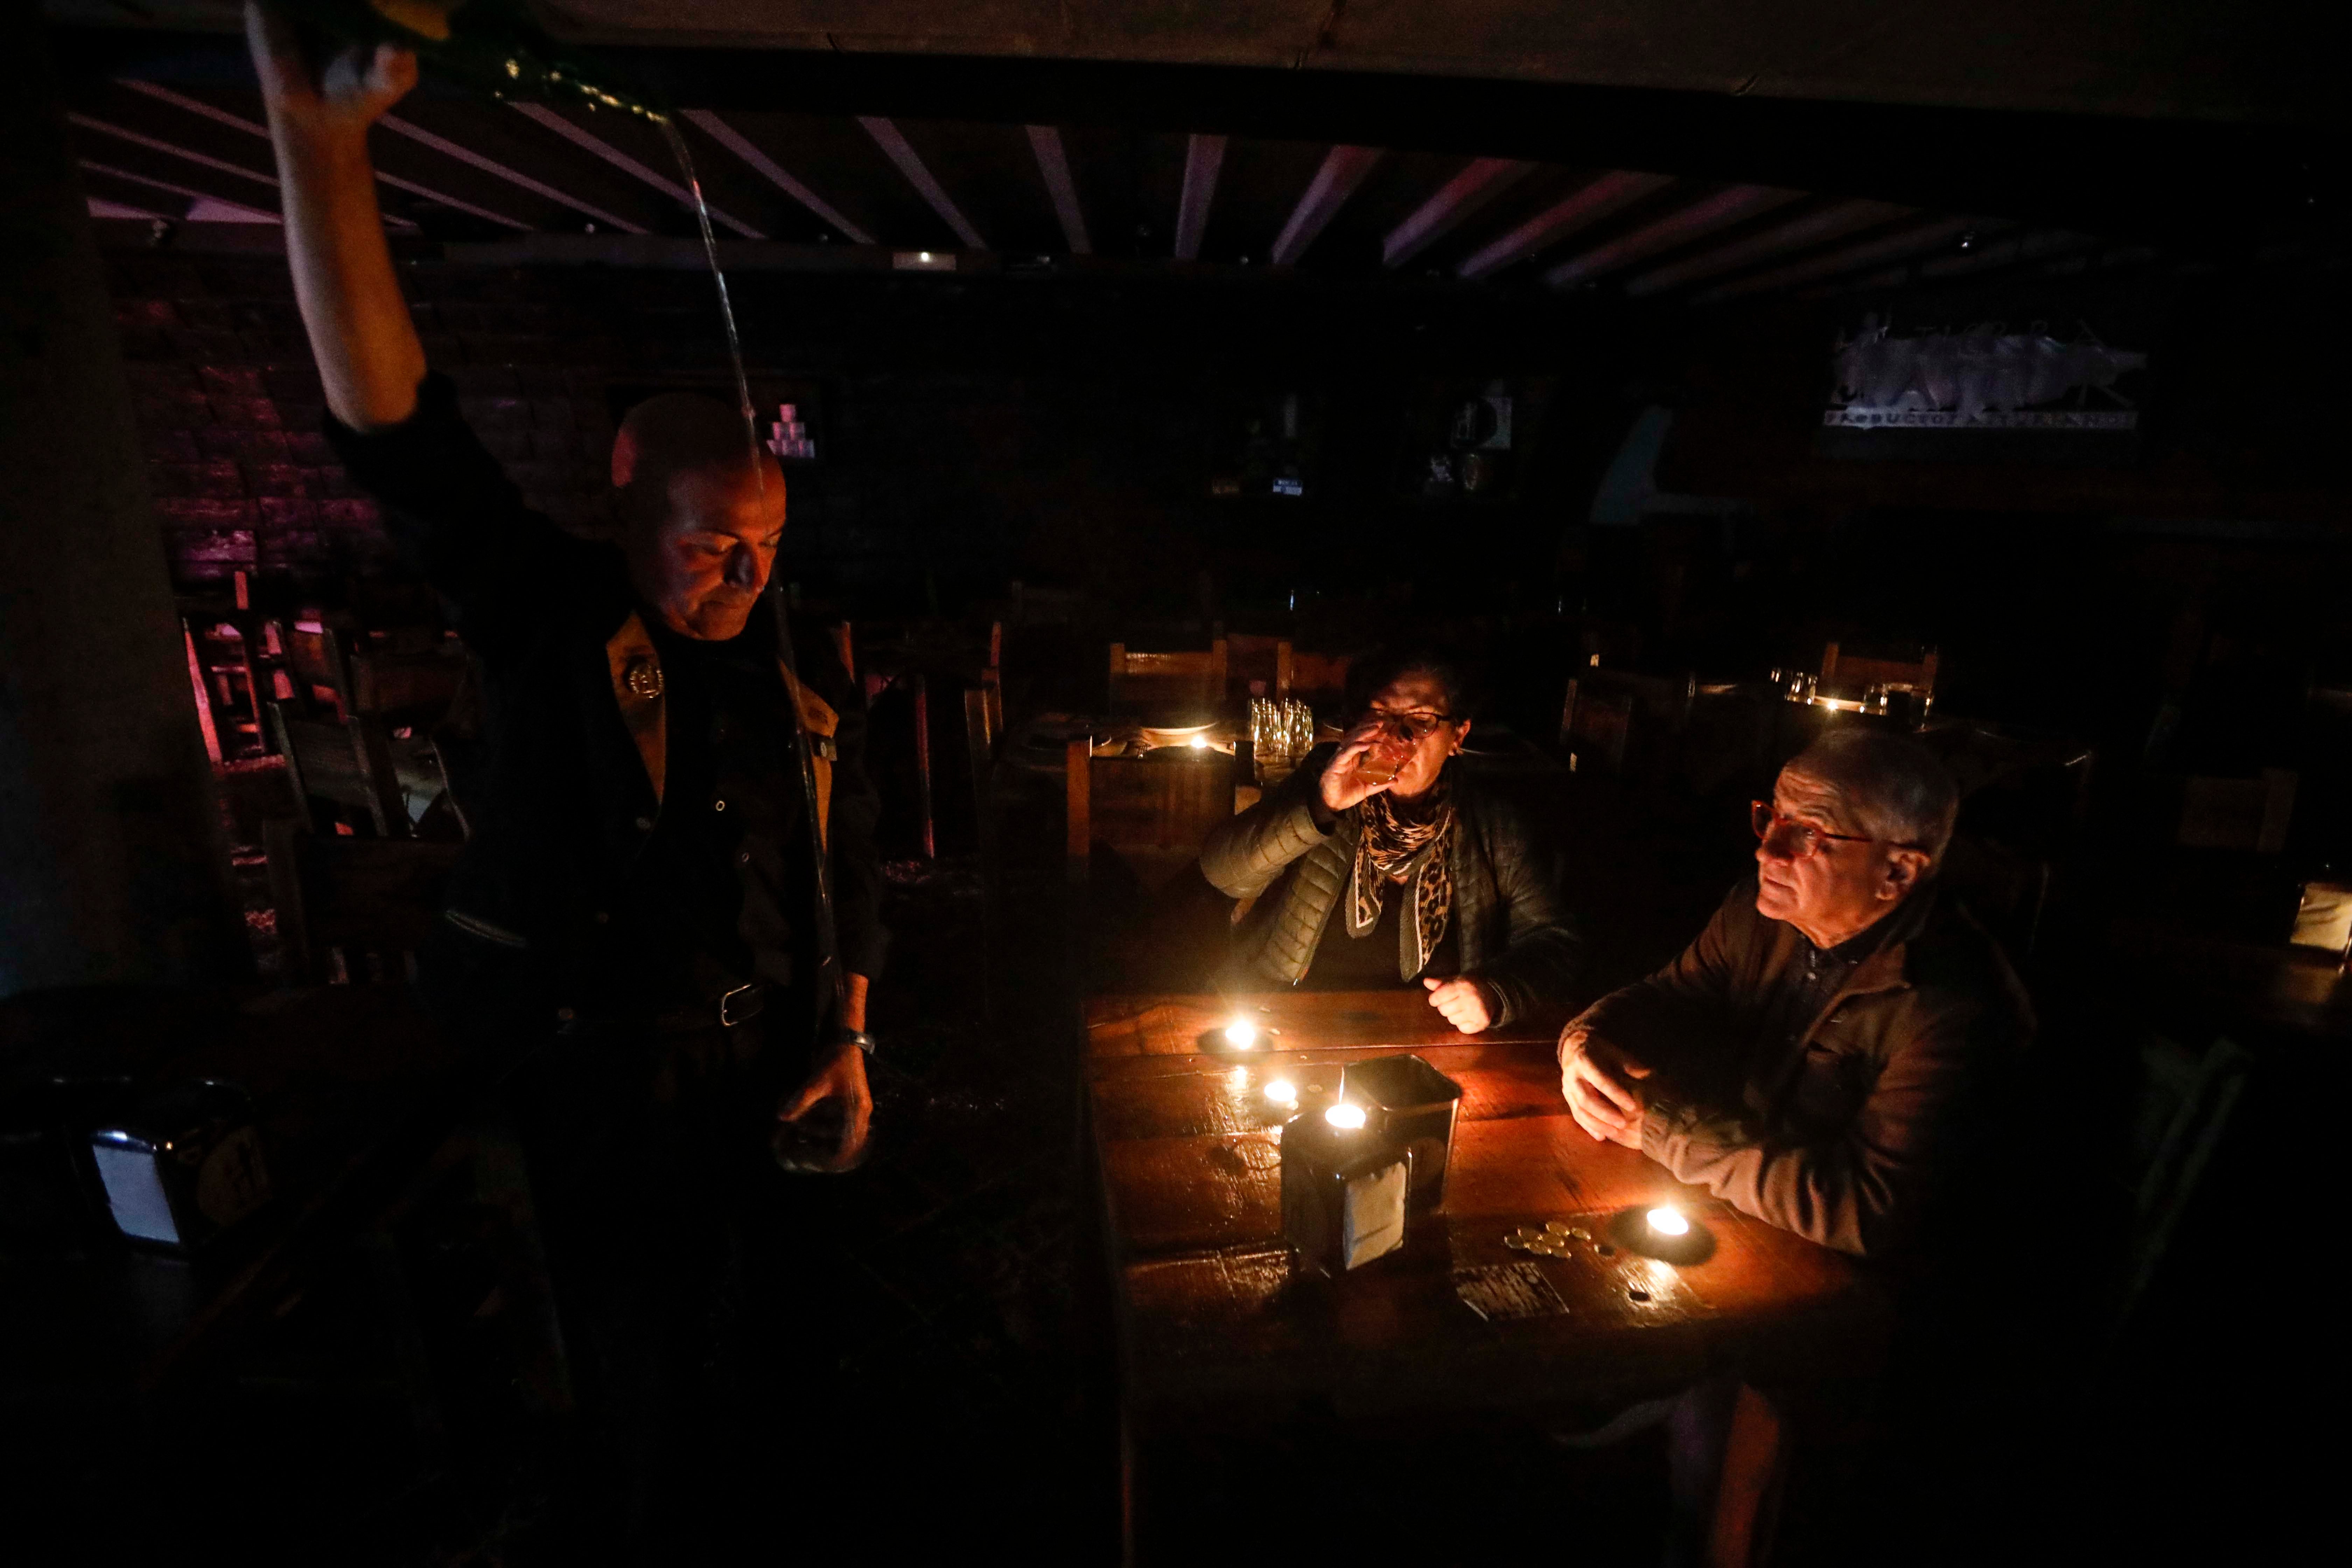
858 1037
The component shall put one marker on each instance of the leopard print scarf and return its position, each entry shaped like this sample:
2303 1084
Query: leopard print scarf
1405 841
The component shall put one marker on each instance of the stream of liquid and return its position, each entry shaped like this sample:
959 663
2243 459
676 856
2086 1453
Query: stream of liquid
803 749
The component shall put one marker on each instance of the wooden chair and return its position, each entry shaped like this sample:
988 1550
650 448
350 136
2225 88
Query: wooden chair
2184 1105
346 763
1900 674
1166 679
1596 726
414 687
321 674
353 910
2238 813
1321 679
1251 663
1154 813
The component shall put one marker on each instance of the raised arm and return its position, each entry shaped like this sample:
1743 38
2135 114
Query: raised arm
369 356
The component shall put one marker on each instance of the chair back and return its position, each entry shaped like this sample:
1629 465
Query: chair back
1153 811
346 763
1903 675
314 653
2238 813
418 687
2184 1105
1318 678
1165 679
353 910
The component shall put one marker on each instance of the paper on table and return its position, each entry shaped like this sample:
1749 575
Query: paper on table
1504 1293
1374 1222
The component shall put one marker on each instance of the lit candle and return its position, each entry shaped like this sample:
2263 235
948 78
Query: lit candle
1197 742
1667 1220
1282 1092
1343 1114
1241 1034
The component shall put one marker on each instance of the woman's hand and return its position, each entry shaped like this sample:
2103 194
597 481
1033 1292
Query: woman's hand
1463 1003
1343 784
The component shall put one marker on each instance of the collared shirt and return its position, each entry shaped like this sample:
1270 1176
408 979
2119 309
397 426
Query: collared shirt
705 906
1818 975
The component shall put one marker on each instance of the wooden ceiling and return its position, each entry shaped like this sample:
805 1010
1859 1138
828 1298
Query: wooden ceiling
967 145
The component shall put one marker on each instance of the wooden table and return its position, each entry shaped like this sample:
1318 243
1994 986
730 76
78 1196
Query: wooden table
1220 1330
2280 991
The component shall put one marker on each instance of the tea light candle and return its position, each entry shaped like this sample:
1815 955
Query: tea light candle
1344 1114
1197 741
1667 1220
1282 1092
1241 1034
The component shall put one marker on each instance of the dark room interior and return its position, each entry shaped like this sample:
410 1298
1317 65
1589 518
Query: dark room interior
1789 558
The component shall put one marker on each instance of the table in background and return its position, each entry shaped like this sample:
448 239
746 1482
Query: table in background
1218 1331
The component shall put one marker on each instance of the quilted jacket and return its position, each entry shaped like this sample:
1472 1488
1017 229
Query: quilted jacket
1515 934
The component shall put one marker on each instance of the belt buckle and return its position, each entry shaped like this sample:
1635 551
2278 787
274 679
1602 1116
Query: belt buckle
728 1017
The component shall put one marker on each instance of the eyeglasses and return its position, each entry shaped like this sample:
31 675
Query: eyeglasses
1414 726
1804 840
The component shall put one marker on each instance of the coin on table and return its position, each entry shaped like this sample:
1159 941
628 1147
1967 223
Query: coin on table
1515 1242
1558 1227
1552 1247
1578 1232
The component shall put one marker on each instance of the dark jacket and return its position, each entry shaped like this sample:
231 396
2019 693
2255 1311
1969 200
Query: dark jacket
1843 1126
1514 935
570 781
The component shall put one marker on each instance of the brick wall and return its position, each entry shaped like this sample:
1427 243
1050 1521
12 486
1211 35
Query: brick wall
229 408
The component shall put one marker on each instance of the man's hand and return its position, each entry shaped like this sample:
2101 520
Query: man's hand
340 96
1599 1083
1464 1001
370 360
842 1076
1342 786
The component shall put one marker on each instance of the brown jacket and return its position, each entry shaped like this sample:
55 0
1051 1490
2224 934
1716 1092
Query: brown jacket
1836 1126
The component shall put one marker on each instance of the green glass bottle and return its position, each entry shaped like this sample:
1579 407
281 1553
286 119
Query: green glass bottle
492 46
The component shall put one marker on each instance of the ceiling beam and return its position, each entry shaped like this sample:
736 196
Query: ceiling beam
1481 182
492 166
1596 201
1910 241
1720 210
255 127
1344 168
901 152
742 146
1798 234
156 144
1053 167
1203 156
255 215
589 141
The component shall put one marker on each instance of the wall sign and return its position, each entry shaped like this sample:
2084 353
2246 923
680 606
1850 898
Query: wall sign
1984 379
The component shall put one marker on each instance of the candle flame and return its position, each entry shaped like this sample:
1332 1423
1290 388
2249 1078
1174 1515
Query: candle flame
1198 740
1667 1220
1282 1092
1343 1114
1241 1034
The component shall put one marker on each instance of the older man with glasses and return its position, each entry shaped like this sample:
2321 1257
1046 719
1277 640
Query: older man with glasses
1813 1059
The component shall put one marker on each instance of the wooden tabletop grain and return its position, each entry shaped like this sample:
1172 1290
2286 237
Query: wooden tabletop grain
1221 1327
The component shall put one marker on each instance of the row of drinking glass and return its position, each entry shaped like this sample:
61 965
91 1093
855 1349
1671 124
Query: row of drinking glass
1282 731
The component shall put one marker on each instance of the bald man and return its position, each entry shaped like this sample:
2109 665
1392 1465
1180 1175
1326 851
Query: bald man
635 915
